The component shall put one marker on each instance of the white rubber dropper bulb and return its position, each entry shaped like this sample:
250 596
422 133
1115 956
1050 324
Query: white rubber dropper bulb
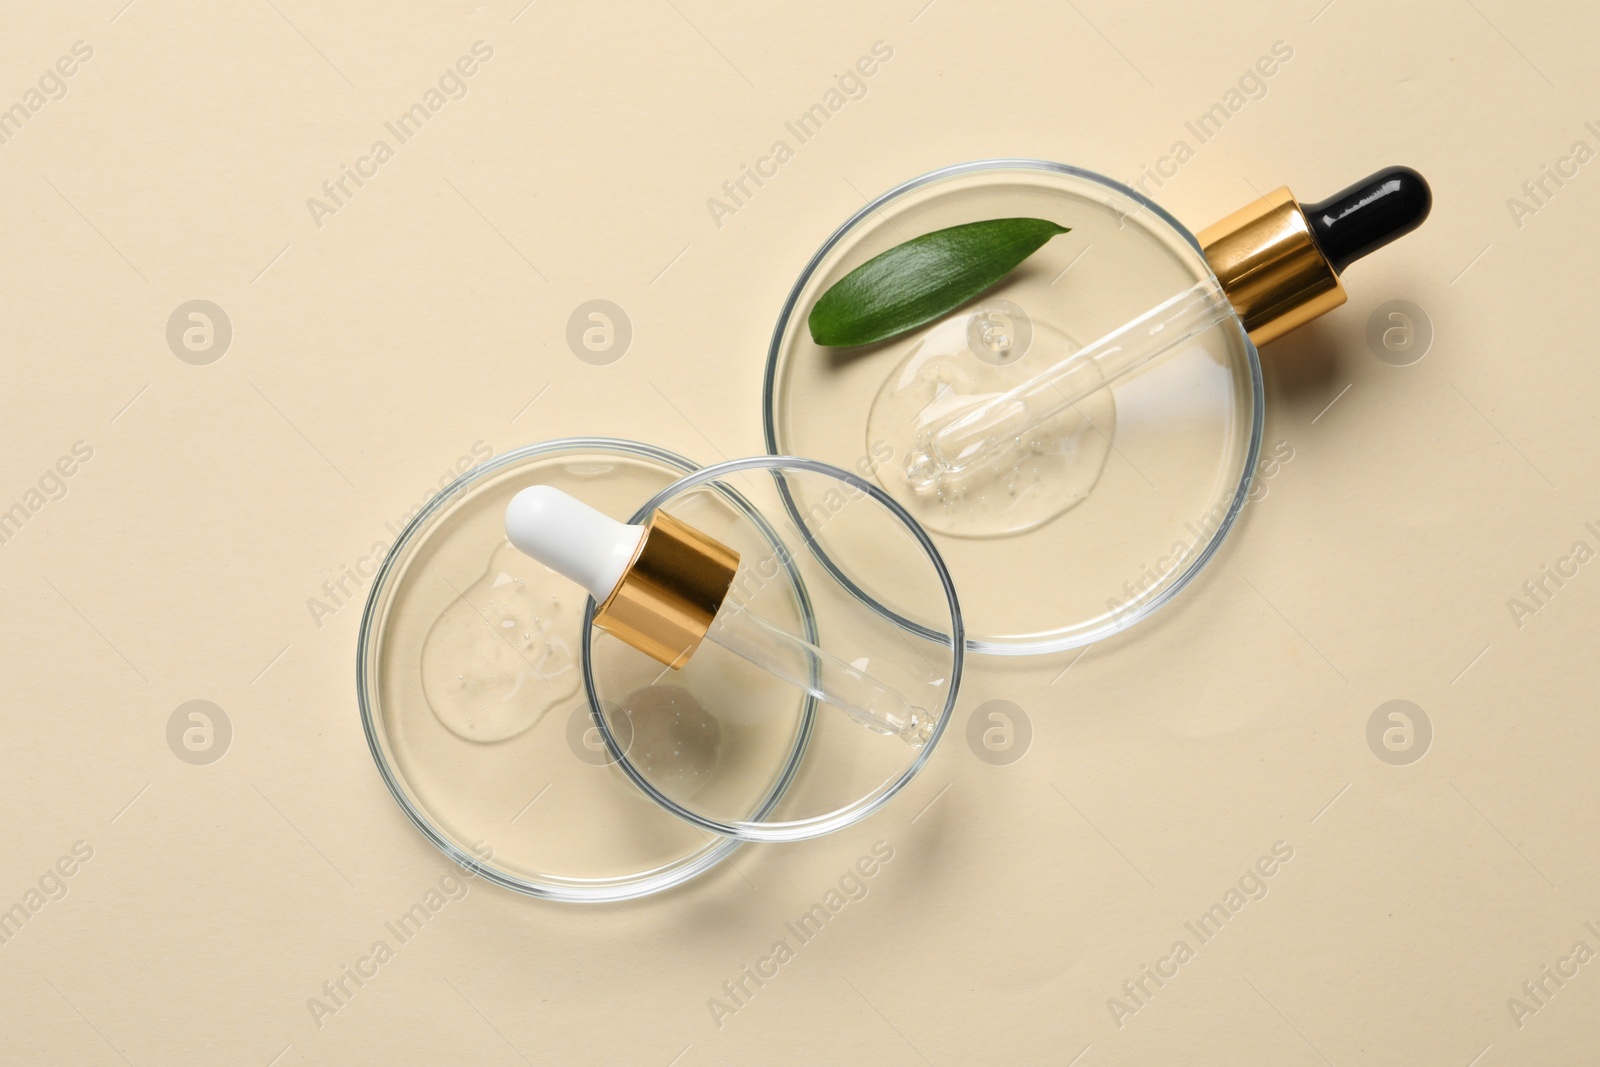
572 538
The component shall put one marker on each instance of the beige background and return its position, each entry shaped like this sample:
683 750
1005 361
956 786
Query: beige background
429 313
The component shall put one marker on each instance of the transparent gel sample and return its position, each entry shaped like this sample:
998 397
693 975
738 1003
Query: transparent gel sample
966 359
499 658
1053 549
483 731
672 738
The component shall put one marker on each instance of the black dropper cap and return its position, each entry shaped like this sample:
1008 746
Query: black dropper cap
1369 214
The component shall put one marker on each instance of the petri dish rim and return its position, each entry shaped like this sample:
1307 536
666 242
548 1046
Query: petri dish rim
591 891
805 829
1027 645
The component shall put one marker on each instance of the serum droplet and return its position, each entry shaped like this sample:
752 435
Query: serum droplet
501 686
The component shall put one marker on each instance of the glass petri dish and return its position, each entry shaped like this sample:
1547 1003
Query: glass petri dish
472 701
1107 511
906 634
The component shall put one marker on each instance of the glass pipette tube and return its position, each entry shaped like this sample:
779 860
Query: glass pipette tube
986 433
826 677
1279 259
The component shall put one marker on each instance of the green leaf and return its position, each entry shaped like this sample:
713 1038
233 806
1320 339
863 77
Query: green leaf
914 283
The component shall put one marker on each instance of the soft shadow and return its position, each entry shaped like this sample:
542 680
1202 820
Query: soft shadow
1298 369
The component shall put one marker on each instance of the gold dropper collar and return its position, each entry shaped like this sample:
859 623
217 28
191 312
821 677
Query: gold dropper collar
669 594
1270 266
